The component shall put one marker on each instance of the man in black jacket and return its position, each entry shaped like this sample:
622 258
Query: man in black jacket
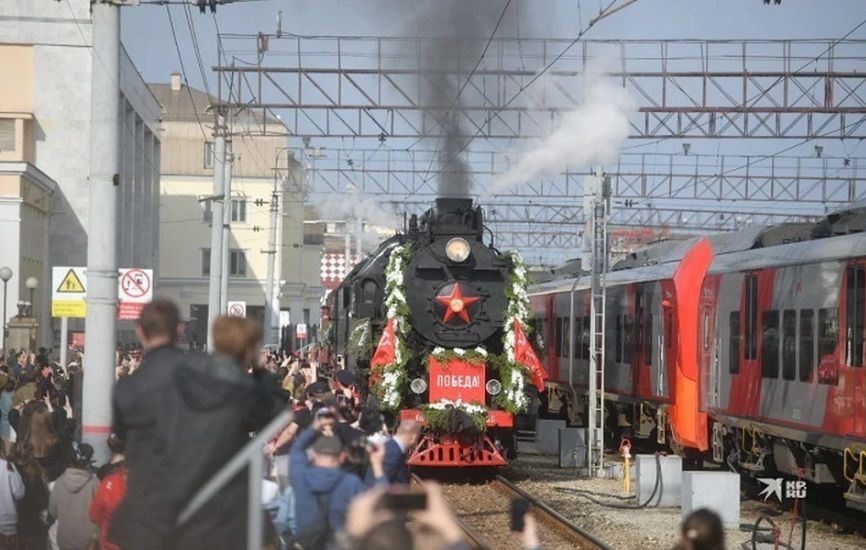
144 406
183 417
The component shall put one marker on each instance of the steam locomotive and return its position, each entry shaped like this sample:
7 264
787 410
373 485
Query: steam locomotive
747 349
422 320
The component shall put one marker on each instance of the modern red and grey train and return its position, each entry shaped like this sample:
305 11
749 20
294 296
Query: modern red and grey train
730 348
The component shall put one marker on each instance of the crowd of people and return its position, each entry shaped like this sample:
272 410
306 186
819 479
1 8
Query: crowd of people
337 474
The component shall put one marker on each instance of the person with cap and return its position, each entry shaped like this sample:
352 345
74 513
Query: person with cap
321 484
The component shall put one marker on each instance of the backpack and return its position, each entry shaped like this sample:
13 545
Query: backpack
319 534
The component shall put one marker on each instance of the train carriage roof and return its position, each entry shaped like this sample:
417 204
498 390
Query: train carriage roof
813 251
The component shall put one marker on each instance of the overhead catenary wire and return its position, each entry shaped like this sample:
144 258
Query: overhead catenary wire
183 72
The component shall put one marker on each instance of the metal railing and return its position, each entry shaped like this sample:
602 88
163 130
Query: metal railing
250 455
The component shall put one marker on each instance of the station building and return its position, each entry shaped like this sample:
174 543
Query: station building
261 164
45 109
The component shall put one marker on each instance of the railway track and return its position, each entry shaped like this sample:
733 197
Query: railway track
482 510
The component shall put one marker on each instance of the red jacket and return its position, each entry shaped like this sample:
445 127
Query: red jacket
110 492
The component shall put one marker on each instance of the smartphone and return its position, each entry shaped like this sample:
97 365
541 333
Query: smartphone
519 508
405 500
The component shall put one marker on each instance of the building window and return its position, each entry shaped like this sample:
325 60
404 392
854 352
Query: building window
239 210
206 211
770 344
208 154
7 134
205 262
237 263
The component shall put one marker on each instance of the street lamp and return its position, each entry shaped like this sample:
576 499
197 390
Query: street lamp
5 275
31 283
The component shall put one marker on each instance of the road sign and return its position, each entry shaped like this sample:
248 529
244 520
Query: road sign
301 331
237 309
134 290
68 292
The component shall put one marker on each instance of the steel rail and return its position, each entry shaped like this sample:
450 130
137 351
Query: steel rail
550 516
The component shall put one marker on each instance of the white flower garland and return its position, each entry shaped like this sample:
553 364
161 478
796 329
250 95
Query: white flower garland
469 408
394 375
514 380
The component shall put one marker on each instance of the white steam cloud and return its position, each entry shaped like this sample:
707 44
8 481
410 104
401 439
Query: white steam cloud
591 134
380 220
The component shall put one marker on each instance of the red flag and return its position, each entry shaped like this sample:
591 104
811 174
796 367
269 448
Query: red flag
525 355
385 352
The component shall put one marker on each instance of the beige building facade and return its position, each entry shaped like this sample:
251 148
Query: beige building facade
45 108
261 165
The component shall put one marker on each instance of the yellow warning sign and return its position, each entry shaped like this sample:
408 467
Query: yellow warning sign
70 284
68 308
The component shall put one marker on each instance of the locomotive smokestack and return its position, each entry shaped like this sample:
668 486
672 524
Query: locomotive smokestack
447 62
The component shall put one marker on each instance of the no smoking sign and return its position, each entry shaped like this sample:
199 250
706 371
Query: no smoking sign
134 289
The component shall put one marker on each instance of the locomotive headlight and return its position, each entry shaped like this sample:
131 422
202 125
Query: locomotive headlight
457 250
418 386
493 387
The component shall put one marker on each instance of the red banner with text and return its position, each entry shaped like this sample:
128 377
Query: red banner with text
457 379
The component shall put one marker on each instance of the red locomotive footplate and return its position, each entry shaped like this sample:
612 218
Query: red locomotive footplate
495 419
453 450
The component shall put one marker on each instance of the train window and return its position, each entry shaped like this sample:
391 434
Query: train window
751 290
770 344
347 296
669 328
584 341
627 332
807 344
565 336
558 337
369 290
789 344
856 310
734 343
578 327
618 348
648 338
828 331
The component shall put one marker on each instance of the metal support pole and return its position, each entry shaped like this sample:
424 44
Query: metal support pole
64 340
5 351
216 234
272 305
227 234
102 227
254 502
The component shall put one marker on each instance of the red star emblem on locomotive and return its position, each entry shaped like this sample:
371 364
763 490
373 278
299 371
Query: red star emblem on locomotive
456 304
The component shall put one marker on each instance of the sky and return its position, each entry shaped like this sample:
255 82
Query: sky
148 38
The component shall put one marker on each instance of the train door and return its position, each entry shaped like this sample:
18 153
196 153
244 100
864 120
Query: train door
643 341
854 353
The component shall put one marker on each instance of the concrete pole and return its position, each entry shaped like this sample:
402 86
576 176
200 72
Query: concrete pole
102 228
64 342
227 233
359 233
216 234
272 306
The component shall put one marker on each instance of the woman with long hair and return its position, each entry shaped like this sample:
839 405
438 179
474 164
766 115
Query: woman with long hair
39 440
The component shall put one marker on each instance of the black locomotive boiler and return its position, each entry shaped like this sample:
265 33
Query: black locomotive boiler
450 288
